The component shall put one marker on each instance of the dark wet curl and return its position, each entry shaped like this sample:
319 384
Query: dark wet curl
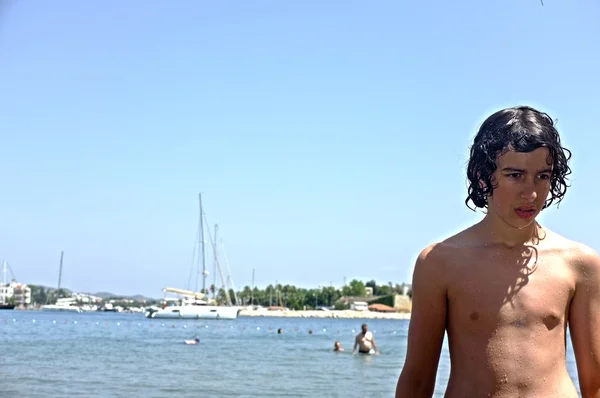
521 129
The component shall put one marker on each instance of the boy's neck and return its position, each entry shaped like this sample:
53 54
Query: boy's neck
496 231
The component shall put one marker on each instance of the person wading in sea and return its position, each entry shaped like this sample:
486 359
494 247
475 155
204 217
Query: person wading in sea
365 341
506 288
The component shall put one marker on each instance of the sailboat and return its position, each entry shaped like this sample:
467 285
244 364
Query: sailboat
62 304
5 305
194 304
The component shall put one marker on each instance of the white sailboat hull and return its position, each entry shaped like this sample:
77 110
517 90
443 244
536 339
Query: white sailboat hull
194 312
62 308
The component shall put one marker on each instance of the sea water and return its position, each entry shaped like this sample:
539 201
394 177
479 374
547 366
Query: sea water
46 354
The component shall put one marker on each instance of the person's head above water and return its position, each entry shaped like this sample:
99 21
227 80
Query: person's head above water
337 346
517 151
197 339
364 328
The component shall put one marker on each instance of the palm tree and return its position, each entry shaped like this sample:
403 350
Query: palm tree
246 294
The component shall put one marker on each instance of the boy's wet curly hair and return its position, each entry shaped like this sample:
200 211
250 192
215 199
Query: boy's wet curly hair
520 129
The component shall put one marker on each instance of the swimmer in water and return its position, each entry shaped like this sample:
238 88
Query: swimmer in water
192 342
365 341
337 346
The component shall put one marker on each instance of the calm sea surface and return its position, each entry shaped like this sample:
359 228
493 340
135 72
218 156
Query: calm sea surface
46 354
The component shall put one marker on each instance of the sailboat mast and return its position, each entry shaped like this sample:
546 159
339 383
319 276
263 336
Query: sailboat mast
60 269
215 259
252 291
4 289
202 245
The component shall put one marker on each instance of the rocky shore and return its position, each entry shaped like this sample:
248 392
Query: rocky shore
345 314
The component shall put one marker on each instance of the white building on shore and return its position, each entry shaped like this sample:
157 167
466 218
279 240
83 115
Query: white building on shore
87 298
19 292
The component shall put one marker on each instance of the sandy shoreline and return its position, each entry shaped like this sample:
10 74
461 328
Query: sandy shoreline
346 314
341 314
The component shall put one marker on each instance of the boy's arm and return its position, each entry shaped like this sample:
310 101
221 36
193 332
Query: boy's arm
584 323
426 328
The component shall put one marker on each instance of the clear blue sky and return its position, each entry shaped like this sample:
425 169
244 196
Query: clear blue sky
329 138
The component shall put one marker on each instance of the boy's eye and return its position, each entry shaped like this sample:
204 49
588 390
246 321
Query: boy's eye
544 176
514 175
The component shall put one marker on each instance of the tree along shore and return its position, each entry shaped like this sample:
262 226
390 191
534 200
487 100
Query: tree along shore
287 296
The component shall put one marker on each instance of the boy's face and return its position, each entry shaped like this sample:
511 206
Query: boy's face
522 184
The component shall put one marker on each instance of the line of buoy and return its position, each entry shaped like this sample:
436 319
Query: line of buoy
185 326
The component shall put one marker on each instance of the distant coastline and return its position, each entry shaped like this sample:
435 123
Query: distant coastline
356 299
342 314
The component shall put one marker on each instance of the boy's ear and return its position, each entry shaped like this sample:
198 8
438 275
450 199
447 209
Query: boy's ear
482 184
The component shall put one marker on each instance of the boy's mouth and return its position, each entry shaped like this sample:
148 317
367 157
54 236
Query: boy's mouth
525 212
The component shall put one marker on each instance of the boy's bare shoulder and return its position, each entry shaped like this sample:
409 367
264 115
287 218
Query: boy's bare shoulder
449 247
582 260
438 256
579 255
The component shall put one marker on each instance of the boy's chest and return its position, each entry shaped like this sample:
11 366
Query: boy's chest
489 288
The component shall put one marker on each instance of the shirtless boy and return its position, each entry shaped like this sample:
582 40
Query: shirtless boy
506 288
